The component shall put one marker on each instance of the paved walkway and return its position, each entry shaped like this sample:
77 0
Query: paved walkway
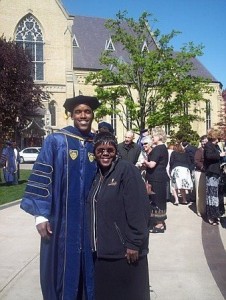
187 262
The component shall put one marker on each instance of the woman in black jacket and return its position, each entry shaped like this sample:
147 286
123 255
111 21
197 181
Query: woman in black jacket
157 176
118 210
212 158
180 170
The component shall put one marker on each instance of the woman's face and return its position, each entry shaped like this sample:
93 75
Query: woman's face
146 147
105 154
155 139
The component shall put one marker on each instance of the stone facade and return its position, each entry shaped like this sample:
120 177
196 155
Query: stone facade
56 26
215 105
63 77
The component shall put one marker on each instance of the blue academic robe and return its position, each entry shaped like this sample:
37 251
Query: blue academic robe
57 189
8 159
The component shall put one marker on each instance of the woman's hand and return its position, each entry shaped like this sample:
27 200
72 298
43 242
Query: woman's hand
145 163
149 164
131 255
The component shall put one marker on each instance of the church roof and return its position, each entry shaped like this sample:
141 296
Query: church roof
90 37
201 71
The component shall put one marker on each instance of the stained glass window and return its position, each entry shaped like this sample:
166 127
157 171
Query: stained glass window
208 114
29 36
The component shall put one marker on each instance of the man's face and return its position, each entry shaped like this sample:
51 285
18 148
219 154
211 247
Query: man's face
128 139
146 133
203 142
83 117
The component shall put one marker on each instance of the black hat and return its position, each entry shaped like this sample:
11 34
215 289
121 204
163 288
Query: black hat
70 103
106 126
143 130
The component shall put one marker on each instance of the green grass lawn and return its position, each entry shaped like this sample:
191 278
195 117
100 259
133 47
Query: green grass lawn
13 192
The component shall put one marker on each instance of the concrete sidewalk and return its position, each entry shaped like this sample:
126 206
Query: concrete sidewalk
19 258
187 262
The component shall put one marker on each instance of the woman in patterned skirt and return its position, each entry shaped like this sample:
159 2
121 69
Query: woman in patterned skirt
212 158
180 169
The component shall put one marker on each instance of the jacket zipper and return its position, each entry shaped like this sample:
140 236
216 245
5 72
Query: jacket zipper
94 216
119 233
94 219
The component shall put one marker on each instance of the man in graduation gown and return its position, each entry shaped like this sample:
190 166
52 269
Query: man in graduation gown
8 161
55 195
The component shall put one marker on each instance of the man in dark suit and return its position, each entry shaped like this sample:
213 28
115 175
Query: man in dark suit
129 150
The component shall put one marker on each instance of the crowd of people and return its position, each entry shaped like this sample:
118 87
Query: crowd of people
96 201
194 174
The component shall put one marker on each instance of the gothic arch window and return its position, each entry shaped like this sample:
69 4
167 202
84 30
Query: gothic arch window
114 119
185 108
167 129
128 120
208 115
29 36
52 110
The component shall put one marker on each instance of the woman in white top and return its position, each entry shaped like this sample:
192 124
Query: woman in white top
146 143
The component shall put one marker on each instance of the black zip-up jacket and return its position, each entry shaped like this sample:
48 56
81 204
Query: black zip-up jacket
129 152
211 159
118 212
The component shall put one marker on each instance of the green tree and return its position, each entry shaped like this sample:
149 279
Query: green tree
222 115
153 85
19 96
185 133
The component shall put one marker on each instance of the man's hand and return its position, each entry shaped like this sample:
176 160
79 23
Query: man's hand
131 256
44 230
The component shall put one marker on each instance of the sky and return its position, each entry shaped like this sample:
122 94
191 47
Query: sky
199 21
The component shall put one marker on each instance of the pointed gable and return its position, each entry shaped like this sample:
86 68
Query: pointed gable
109 45
145 47
74 42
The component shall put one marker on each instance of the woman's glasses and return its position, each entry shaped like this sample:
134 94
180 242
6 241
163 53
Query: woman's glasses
108 150
144 144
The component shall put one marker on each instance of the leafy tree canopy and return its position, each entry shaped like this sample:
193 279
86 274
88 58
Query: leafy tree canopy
151 85
222 116
19 96
185 133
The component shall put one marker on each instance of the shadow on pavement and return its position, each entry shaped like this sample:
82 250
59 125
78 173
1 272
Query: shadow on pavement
223 222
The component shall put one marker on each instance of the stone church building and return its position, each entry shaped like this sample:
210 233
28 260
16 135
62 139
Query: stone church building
64 49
